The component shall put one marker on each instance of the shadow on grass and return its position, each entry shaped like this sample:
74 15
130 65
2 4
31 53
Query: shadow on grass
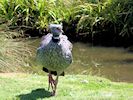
35 94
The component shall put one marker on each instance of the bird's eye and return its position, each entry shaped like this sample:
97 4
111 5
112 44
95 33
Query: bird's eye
58 28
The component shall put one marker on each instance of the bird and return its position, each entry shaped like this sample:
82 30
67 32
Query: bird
54 54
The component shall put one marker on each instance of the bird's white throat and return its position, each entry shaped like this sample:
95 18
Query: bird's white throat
57 37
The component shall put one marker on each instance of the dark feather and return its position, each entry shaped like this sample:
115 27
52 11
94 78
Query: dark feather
53 72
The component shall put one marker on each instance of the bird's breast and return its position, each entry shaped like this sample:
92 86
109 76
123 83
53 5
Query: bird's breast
56 57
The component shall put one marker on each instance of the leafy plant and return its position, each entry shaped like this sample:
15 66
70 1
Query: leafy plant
91 16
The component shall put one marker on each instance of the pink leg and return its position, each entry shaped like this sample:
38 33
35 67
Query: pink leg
50 80
55 82
52 83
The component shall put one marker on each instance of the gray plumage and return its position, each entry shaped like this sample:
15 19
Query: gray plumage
54 54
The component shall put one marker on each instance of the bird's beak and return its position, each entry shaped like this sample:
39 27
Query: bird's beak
62 31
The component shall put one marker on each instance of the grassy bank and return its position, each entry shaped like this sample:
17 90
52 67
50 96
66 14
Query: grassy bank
18 86
14 53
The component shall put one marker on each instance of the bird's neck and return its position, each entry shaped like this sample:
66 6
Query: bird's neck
55 39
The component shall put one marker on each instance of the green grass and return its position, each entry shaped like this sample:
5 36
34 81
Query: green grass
71 87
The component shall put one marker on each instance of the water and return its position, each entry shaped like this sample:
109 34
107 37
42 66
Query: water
109 62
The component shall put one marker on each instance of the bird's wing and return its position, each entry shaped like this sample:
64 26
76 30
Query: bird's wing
66 42
45 40
66 47
70 45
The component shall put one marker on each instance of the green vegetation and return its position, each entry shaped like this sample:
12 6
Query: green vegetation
110 21
98 21
77 87
88 17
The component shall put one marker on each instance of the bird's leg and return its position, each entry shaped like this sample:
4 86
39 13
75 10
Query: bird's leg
50 81
55 82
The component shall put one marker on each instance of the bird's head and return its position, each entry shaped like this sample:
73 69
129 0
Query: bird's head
56 29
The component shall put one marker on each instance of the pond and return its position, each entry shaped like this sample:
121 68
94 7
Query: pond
109 62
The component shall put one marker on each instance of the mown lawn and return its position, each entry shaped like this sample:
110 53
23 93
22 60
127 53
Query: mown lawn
20 86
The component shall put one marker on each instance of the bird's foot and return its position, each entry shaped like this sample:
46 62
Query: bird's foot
53 93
